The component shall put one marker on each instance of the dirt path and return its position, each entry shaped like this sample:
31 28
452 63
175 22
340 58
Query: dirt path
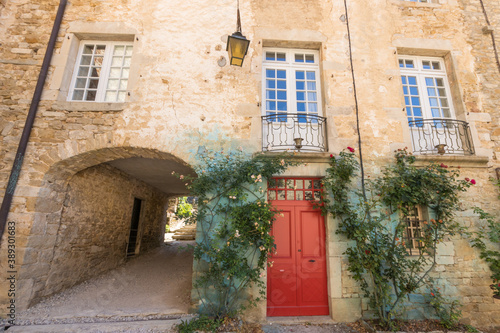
154 284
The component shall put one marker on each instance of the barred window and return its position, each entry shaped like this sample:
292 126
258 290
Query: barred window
413 235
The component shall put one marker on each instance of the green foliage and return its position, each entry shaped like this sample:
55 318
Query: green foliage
184 208
235 220
167 228
448 312
203 323
376 222
486 235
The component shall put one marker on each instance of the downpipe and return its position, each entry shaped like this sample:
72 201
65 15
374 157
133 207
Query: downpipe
30 119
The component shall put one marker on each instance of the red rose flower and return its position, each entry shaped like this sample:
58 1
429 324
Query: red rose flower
351 149
467 179
472 181
367 251
331 155
443 165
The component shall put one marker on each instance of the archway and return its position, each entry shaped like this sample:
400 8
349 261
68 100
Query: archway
84 215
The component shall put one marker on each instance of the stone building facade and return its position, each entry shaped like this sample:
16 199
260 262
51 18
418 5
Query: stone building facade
174 92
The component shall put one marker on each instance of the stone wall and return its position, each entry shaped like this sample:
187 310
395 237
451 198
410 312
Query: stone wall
95 224
180 98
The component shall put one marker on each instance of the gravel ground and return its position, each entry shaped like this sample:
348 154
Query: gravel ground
153 286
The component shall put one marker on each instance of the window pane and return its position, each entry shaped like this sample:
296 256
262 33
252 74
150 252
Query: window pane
113 84
308 183
125 73
308 195
281 195
290 195
270 105
270 56
119 50
431 92
77 95
414 91
409 64
401 63
313 107
412 80
88 49
311 75
282 106
281 74
272 195
311 85
81 83
100 49
299 195
270 94
444 102
301 96
311 96
282 94
121 96
123 84
440 82
83 71
127 61
114 73
270 73
299 183
446 113
86 60
429 81
299 57
436 65
95 72
433 101
301 107
415 101
270 84
280 57
110 96
128 50
435 113
281 84
90 95
117 61
299 75
300 85
97 61
93 83
281 183
426 64
442 92
417 112
403 79
309 58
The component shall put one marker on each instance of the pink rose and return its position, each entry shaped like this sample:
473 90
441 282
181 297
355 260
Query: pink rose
472 181
351 149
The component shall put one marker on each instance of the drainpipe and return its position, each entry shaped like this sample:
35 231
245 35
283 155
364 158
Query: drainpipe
21 149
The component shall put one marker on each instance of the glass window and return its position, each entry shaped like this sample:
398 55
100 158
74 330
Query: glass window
101 72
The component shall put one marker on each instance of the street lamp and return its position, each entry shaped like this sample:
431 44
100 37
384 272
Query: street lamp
237 44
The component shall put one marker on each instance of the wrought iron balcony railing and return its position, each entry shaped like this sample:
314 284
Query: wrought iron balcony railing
292 131
441 136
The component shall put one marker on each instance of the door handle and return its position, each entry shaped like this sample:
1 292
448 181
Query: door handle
312 260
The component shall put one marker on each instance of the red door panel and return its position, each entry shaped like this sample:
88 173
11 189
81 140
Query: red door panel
297 281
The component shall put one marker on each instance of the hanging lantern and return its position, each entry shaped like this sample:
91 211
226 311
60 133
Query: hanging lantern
237 44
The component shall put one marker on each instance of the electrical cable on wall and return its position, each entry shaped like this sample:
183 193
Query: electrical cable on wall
356 104
492 35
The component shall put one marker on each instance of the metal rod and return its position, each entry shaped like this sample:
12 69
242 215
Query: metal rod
30 119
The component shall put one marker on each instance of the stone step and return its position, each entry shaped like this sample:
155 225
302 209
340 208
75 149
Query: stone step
184 237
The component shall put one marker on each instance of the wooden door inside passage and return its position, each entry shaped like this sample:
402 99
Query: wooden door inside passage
297 280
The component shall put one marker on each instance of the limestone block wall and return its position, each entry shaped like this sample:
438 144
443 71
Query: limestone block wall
93 233
180 99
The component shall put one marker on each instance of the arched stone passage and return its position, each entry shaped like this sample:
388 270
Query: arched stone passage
83 216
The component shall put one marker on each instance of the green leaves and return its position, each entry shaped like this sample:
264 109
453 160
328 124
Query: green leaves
235 221
377 224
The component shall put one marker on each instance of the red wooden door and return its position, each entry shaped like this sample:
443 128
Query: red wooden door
297 280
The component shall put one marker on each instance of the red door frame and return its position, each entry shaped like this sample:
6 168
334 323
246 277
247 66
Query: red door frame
297 280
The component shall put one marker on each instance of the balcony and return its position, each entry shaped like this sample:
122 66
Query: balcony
299 132
441 136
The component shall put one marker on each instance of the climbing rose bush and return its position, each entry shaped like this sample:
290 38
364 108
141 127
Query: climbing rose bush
234 223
